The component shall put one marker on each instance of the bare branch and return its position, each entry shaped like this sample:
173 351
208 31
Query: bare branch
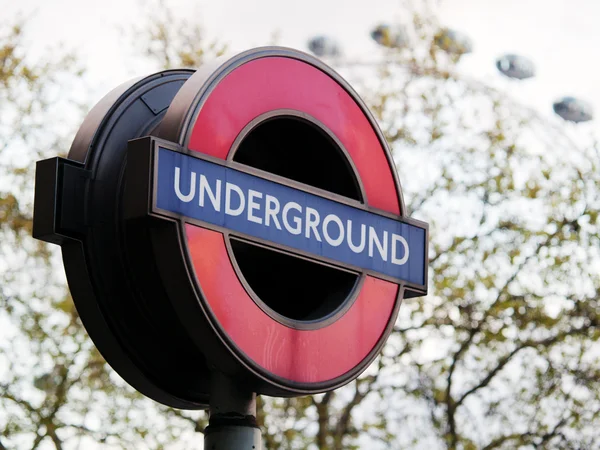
343 424
521 438
55 440
323 418
28 406
38 440
492 373
528 437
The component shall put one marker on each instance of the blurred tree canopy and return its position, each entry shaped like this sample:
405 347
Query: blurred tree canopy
502 353
56 391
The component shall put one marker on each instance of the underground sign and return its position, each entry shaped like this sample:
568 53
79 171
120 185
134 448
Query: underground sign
245 217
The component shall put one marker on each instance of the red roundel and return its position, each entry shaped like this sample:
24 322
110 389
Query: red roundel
224 104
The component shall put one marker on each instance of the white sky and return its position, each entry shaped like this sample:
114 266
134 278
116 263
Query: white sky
561 36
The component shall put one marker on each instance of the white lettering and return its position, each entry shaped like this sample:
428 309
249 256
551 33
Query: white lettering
271 212
374 239
333 218
286 209
312 221
252 205
215 198
295 218
228 210
363 231
395 239
180 196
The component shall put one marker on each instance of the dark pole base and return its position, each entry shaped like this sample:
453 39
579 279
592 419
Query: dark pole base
233 438
232 424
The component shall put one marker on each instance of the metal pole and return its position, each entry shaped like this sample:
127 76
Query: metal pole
232 416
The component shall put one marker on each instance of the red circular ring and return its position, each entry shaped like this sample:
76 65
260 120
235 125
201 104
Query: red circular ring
300 356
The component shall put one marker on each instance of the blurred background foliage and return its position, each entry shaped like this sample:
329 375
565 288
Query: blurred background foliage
502 353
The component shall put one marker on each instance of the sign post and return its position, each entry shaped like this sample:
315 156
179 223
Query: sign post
235 230
232 413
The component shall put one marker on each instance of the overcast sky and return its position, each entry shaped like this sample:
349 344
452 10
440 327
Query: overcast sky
561 36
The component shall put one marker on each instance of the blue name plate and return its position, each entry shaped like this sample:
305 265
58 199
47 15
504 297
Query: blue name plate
290 218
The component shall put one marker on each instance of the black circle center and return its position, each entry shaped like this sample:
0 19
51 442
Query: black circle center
295 288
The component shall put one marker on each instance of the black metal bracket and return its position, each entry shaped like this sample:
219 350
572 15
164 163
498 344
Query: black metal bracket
58 209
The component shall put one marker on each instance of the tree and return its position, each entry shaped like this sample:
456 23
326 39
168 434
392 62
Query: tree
173 41
56 391
501 354
503 351
511 321
30 352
